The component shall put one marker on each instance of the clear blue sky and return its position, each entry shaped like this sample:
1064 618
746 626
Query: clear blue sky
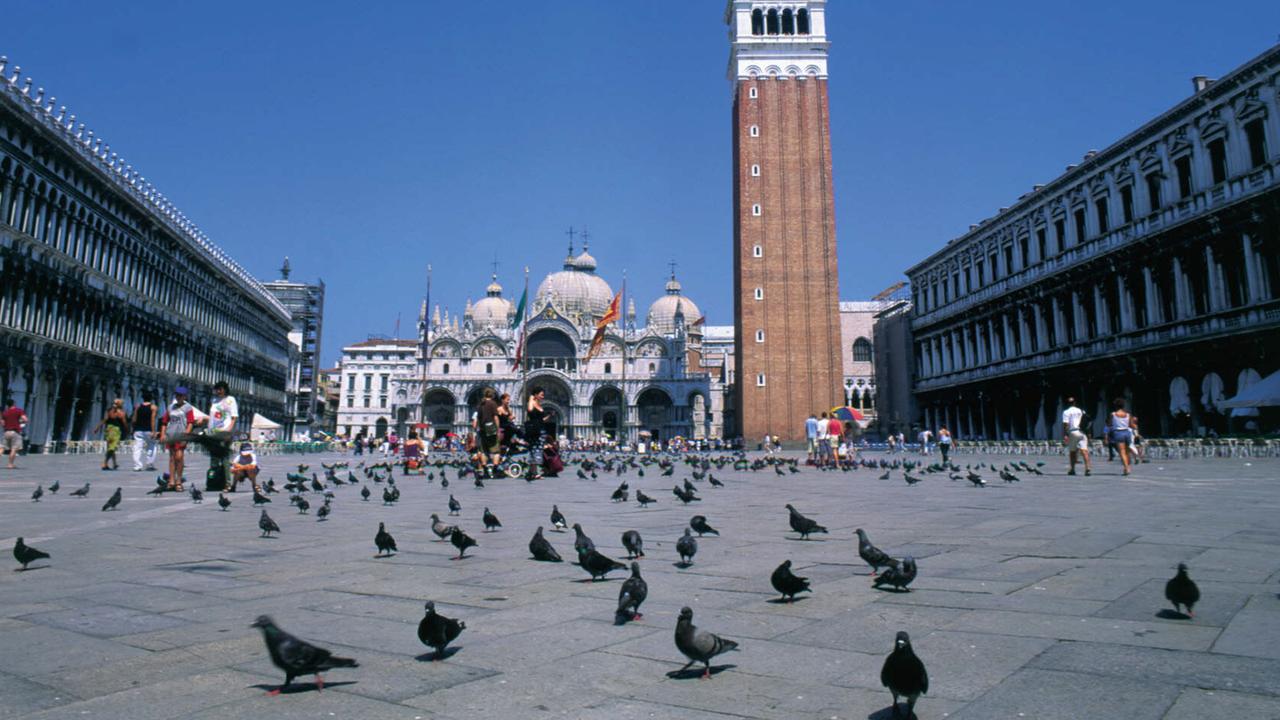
365 140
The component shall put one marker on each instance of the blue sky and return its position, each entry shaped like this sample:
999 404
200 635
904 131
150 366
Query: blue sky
368 140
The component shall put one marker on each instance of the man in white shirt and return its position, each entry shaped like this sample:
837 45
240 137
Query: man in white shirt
225 411
1073 437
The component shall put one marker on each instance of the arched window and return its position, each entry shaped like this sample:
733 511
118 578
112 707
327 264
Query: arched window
788 22
488 368
757 22
608 367
862 350
802 21
652 367
771 22
446 369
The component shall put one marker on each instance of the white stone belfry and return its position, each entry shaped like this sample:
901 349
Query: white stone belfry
778 39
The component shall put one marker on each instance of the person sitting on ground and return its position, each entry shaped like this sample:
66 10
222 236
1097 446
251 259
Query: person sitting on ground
244 467
413 451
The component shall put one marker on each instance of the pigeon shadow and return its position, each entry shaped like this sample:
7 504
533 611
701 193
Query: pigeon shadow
888 714
784 601
890 588
1167 614
682 565
694 673
585 581
29 569
433 656
301 687
268 537
808 539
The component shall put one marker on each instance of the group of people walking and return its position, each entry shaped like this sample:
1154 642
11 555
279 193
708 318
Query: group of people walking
1120 435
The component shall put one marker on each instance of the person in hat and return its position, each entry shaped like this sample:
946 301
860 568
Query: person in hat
177 422
245 467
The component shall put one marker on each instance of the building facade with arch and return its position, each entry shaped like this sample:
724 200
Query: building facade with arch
647 380
1150 270
108 291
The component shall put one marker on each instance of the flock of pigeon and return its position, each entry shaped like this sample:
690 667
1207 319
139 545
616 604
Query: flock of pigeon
903 672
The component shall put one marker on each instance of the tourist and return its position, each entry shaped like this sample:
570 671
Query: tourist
487 432
902 442
357 443
177 422
892 442
117 424
414 451
245 467
1136 455
15 422
811 437
534 430
944 443
835 431
224 411
1076 442
1121 434
925 437
822 443
144 433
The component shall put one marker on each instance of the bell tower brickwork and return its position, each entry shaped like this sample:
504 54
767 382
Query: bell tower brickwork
786 295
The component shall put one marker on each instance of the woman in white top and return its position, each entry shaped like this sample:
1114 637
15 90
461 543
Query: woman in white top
1121 431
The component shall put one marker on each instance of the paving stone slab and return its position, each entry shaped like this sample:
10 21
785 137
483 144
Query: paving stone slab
871 629
1201 669
1123 632
1219 603
1197 704
43 650
166 698
1056 695
22 696
1253 630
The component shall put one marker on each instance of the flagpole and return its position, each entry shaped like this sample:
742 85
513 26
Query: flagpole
524 331
426 339
622 396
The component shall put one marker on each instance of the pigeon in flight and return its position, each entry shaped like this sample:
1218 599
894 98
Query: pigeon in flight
1181 590
267 525
540 548
383 540
898 577
700 526
904 674
634 591
26 554
699 646
788 583
687 546
297 657
872 555
803 525
634 544
437 631
114 501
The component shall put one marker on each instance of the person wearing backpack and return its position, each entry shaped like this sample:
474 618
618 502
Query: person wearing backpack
177 422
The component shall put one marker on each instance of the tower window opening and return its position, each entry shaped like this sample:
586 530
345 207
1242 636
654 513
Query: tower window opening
771 21
755 171
753 92
757 22
802 21
757 251
759 294
759 336
754 131
760 380
788 22
755 210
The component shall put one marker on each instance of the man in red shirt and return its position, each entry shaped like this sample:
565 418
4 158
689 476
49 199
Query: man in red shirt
835 433
15 419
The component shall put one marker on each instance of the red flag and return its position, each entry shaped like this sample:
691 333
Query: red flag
515 361
610 315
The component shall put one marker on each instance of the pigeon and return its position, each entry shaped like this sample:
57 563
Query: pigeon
323 512
787 583
82 492
904 674
297 657
699 645
714 482
581 542
686 496
643 499
26 554
158 490
270 487
462 541
113 502
197 497
597 564
634 544
388 497
441 528
1181 590
386 544
454 506
700 526
479 483
687 546
886 474
634 591
267 525
491 521
364 493
303 506
803 525
437 631
976 479
55 487
911 479
37 494
540 548
872 555
558 523
224 502
898 577
259 499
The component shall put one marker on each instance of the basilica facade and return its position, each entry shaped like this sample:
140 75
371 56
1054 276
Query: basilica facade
646 381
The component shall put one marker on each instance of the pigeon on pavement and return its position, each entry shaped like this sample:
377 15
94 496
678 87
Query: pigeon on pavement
872 555
598 564
383 540
491 521
82 492
904 674
197 497
437 631
558 523
297 657
454 506
55 487
788 583
37 494
898 577
114 501
540 548
267 525
634 544
442 529
364 493
259 498
224 502
581 542
687 546
26 554
643 499
462 541
634 591
700 526
698 645
1181 590
803 525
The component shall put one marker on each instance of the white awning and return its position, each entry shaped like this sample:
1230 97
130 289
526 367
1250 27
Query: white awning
1263 393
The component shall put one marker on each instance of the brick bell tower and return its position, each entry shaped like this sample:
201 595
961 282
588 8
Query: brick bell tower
786 295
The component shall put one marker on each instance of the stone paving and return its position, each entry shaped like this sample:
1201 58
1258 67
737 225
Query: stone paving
1042 599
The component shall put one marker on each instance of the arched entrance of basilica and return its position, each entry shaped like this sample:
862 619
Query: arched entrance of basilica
605 408
654 410
438 410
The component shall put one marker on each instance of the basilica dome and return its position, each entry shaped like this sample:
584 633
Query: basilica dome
493 311
576 290
662 313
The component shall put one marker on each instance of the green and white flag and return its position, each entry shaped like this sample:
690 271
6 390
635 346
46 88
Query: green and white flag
519 317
